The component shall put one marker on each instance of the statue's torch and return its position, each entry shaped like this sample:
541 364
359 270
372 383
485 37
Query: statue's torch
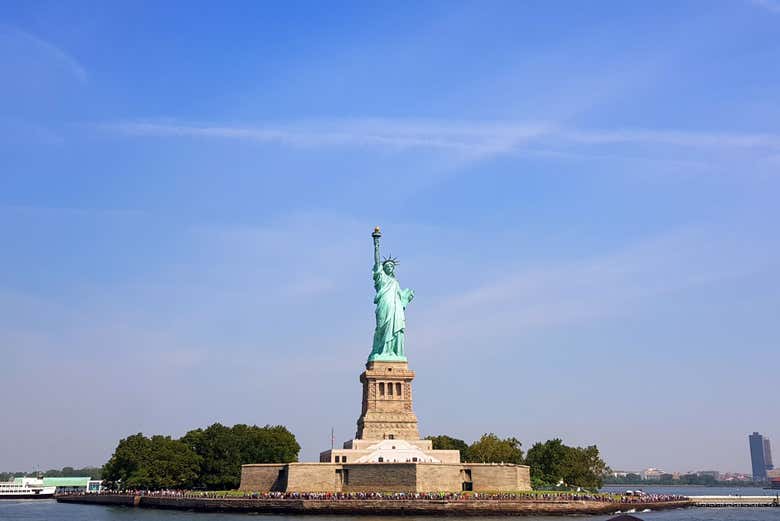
376 235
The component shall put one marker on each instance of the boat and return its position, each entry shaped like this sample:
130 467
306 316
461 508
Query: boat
26 488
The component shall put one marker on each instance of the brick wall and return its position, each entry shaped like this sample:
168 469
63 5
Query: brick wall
433 477
523 477
445 456
263 478
313 477
383 477
499 478
380 477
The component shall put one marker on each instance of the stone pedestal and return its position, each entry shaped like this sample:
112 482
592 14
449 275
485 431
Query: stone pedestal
387 403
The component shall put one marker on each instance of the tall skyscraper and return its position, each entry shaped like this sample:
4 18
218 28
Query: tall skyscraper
757 457
768 455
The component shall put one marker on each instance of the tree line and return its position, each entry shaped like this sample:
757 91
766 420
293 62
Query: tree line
65 472
208 459
553 464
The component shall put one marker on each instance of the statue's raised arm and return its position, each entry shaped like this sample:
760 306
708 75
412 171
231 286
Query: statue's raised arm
376 235
391 302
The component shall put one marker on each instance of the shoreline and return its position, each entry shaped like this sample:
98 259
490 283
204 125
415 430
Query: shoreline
426 507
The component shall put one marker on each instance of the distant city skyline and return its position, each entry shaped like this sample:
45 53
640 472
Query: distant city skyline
582 196
760 456
655 473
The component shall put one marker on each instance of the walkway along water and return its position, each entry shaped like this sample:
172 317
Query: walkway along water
736 501
376 506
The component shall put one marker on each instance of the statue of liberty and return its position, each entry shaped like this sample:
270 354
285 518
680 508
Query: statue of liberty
391 301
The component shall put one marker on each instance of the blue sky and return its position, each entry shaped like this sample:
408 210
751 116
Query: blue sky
584 198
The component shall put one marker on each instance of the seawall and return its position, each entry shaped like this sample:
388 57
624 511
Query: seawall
472 507
127 500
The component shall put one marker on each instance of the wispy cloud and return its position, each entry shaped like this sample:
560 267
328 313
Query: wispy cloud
613 284
60 56
397 134
676 138
770 5
479 139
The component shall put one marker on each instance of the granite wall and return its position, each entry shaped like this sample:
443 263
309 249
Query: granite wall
265 477
373 477
384 477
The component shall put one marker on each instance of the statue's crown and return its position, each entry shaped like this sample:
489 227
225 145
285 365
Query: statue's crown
391 259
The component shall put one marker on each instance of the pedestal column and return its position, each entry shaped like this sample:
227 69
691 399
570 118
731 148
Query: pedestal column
387 403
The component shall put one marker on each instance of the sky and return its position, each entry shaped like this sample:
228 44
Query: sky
584 197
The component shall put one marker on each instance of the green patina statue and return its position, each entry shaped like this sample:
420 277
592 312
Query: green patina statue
391 301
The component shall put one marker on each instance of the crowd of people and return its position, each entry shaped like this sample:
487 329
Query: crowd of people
402 496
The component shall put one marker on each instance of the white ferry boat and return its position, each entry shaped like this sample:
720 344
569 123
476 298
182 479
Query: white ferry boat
26 488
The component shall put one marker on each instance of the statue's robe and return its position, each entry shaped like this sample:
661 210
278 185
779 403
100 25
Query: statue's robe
390 302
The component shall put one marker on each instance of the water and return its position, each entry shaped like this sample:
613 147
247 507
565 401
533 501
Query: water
692 490
49 510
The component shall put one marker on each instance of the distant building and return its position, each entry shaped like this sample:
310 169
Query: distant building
774 478
768 455
712 473
758 456
736 476
71 484
652 473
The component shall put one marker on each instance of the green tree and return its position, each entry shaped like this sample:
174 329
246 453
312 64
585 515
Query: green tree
130 456
547 461
492 449
269 444
222 451
68 472
552 462
585 468
443 442
93 472
152 463
219 456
